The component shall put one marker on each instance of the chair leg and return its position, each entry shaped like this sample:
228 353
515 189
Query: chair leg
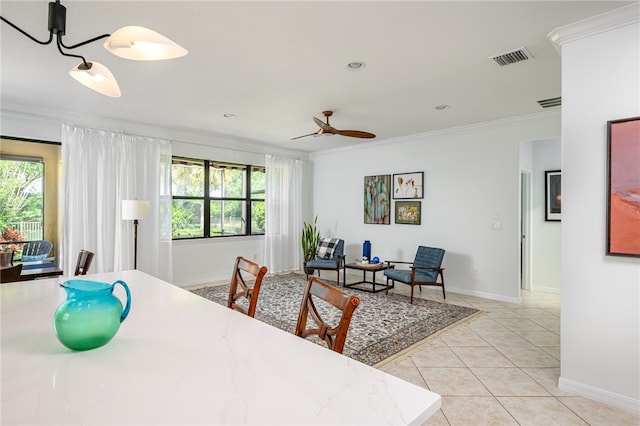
411 301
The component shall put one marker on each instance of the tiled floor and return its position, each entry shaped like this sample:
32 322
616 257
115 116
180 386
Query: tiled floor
501 367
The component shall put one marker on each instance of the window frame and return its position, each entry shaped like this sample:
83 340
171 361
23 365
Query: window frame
207 198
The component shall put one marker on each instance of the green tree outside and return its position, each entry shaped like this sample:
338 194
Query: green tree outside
226 217
21 197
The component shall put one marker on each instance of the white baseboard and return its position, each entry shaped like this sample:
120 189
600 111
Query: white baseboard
483 295
600 395
380 279
545 289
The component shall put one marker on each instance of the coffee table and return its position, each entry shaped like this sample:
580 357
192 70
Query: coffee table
365 267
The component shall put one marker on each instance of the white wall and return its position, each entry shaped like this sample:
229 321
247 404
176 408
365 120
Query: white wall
546 235
471 181
600 294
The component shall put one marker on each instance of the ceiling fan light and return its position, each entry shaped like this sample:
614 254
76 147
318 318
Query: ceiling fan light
96 77
142 44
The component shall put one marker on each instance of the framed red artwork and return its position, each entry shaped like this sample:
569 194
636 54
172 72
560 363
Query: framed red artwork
623 190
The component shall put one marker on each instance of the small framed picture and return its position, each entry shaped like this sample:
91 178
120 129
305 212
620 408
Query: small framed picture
408 212
408 185
552 196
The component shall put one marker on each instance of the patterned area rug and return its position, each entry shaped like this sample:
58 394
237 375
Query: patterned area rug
381 325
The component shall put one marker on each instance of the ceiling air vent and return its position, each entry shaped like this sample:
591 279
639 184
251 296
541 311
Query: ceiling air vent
513 56
551 102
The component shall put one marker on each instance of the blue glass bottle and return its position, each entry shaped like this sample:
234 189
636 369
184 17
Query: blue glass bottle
366 249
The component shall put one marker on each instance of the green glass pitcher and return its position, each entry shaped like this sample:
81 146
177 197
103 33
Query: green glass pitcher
91 314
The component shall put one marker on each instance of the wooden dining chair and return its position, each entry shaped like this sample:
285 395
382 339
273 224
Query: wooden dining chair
245 284
9 274
84 262
334 337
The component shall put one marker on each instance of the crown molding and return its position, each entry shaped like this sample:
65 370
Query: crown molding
555 112
608 21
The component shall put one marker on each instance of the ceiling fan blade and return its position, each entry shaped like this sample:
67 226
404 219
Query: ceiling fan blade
327 129
355 134
304 136
324 126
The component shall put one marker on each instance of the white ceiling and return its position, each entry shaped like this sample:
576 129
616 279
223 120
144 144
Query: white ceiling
275 65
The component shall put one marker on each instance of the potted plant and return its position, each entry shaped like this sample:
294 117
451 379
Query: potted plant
310 240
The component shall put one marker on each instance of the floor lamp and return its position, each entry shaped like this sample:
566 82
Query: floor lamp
135 210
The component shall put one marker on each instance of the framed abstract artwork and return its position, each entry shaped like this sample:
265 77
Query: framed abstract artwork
552 196
623 189
408 185
377 199
408 212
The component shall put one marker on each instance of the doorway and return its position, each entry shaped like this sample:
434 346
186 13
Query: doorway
525 229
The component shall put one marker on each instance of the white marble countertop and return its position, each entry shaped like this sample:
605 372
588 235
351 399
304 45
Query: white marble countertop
180 359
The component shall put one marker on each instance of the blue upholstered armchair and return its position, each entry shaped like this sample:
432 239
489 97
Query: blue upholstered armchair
330 256
425 270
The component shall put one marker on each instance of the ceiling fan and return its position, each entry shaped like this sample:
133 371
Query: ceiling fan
328 130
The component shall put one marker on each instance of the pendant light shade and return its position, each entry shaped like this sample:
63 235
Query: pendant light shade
96 77
132 42
142 44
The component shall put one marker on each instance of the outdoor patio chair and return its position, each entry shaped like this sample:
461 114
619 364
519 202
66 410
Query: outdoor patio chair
36 250
425 270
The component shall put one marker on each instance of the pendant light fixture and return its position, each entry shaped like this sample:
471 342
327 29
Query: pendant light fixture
142 44
132 42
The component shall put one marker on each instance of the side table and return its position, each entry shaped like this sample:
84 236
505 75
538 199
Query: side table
365 267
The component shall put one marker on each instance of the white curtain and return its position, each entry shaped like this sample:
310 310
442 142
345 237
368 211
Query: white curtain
100 169
283 211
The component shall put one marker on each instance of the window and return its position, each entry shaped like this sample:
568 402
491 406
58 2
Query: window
21 198
29 171
215 199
